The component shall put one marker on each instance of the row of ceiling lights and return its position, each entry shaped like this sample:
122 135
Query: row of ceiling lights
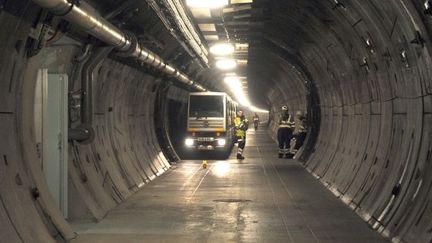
221 51
224 61
211 4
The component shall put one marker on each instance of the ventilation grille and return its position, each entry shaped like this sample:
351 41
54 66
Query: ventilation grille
197 124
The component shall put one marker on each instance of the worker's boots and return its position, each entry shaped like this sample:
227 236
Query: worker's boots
239 156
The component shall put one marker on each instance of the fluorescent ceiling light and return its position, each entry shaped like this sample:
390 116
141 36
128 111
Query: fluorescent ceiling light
242 61
236 88
258 110
207 27
226 64
222 49
241 1
242 99
201 12
211 37
232 80
242 46
206 3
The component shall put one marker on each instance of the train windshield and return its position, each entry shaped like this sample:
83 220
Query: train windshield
206 106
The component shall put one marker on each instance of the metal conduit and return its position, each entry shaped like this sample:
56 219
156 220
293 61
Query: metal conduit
87 18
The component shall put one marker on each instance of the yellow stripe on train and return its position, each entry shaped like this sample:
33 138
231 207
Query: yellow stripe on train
206 130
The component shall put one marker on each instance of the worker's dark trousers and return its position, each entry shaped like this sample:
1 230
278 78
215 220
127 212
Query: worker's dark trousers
299 140
241 144
284 138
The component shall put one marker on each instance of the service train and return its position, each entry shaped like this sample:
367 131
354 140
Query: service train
210 124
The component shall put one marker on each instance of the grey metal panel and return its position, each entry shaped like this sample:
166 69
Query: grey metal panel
54 135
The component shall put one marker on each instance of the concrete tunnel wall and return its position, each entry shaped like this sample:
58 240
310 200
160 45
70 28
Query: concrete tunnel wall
371 66
130 146
351 66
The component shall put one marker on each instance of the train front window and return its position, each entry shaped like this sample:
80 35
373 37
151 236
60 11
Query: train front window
206 106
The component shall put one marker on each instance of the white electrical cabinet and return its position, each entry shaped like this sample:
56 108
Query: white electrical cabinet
51 126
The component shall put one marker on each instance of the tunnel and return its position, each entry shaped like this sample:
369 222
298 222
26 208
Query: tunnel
119 73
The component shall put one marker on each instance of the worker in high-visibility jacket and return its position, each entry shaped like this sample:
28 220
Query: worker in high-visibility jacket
241 126
285 131
300 130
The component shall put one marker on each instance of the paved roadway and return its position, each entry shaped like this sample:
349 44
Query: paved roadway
261 199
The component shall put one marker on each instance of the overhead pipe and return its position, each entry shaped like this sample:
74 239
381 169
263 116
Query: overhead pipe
84 133
86 17
180 18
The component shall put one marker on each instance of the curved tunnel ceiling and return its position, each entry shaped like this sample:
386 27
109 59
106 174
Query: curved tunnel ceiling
360 69
370 64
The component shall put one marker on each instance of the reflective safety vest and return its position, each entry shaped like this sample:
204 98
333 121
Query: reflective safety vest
300 125
240 127
286 122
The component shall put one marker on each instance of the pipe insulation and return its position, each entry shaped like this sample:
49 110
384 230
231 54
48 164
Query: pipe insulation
88 19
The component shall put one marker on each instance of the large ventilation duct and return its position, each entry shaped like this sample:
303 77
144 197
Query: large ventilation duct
86 17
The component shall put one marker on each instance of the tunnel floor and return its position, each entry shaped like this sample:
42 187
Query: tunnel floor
261 199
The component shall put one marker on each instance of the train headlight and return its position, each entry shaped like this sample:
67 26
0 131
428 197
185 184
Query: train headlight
189 142
221 142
